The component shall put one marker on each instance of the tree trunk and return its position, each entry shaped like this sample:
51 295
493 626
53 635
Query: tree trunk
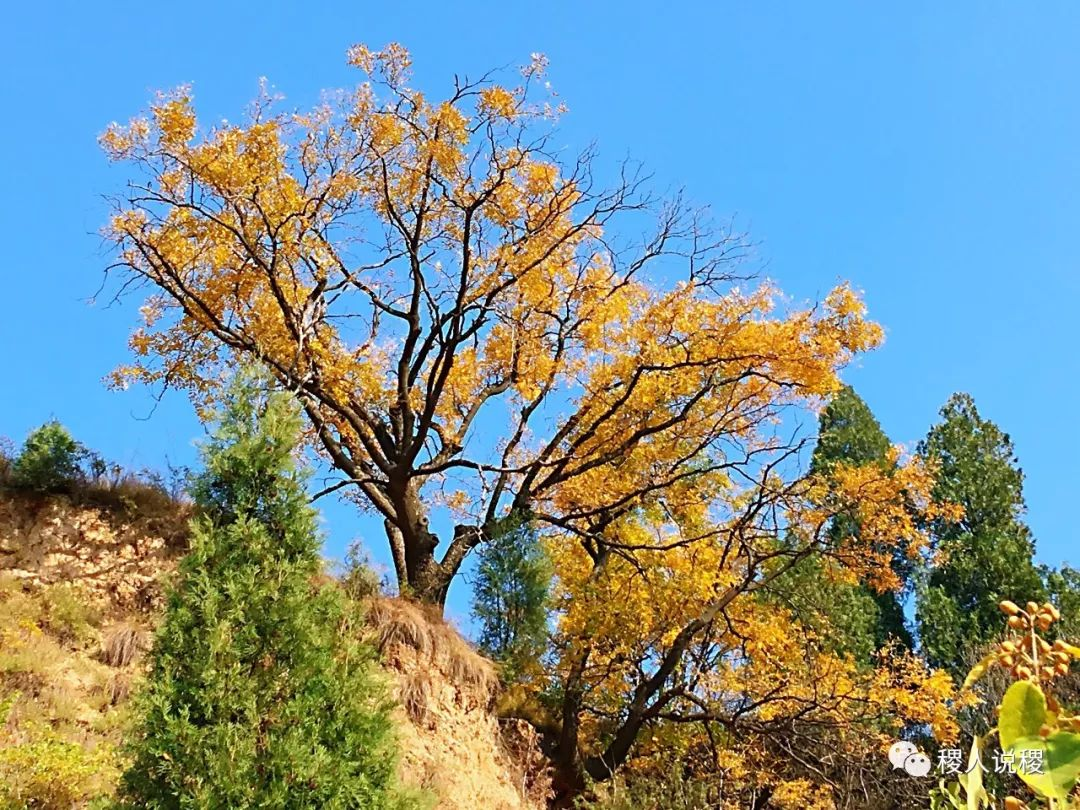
420 575
428 582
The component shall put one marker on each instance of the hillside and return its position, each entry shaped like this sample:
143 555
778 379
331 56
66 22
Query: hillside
80 589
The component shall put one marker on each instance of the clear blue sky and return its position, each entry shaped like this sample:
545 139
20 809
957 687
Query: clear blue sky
928 151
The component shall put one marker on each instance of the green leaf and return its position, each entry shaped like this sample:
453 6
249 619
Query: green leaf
1060 763
946 793
1023 712
972 779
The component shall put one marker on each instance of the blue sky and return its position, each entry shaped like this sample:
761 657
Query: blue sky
926 151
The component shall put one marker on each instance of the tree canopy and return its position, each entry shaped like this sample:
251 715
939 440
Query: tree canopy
417 269
473 330
987 556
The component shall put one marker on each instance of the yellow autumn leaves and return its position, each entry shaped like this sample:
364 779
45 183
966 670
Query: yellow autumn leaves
407 264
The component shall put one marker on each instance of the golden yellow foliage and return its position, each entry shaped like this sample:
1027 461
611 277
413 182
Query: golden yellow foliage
465 326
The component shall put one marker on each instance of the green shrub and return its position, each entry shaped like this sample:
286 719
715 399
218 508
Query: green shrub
68 615
255 698
49 461
359 579
7 458
44 770
54 774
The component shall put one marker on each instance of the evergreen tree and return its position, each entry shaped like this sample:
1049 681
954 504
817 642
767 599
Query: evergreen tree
1063 589
510 596
49 461
988 555
852 618
256 697
849 433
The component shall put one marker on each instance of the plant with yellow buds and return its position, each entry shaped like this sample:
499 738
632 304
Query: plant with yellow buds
1033 729
1026 654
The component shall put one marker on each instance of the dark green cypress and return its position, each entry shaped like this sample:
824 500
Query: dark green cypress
988 555
256 696
851 619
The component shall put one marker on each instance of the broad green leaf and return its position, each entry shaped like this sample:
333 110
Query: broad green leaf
1023 712
946 793
1060 763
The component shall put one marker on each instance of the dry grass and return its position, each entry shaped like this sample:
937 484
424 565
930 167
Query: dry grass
122 643
132 496
451 742
416 694
119 688
405 631
125 498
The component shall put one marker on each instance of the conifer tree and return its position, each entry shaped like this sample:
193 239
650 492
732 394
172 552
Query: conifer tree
850 618
988 555
256 697
511 596
849 433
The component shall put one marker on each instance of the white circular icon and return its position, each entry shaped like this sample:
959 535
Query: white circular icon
899 752
918 764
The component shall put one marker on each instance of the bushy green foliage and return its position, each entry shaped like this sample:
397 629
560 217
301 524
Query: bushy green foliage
510 595
7 459
68 615
256 697
49 460
850 618
847 618
1063 589
849 433
53 774
988 555
359 579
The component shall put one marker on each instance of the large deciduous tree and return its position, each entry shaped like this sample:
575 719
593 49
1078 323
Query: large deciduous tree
469 328
452 302
662 624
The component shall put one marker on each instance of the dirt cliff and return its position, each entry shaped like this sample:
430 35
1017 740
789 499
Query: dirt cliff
80 592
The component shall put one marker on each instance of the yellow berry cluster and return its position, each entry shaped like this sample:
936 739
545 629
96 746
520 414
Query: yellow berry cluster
1028 655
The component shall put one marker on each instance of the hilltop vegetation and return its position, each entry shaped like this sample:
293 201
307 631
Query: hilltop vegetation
82 583
87 559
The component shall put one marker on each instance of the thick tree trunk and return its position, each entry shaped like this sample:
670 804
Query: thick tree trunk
569 780
428 582
421 576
